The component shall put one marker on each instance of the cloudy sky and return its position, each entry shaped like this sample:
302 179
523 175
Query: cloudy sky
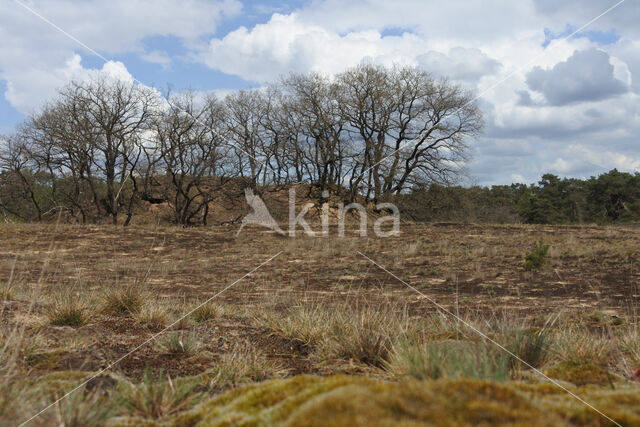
552 103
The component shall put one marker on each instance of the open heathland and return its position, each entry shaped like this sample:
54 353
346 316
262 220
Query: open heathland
450 324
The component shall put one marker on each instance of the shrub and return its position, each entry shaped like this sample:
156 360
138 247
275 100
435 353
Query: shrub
536 257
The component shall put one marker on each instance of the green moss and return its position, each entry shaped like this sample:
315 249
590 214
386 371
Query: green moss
352 401
580 374
344 400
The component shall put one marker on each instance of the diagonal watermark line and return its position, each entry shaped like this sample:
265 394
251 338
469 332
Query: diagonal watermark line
153 337
483 335
504 79
93 51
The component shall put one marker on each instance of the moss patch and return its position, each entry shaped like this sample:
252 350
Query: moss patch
358 401
580 374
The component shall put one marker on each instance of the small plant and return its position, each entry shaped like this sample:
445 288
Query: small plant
490 289
179 343
67 310
157 397
536 257
206 312
123 300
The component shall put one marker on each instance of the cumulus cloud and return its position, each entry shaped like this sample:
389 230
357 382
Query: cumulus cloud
27 91
35 58
286 43
580 160
585 76
459 63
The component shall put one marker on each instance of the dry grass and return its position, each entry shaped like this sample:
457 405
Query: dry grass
364 335
241 365
306 324
206 312
153 315
318 309
583 347
157 397
123 300
67 309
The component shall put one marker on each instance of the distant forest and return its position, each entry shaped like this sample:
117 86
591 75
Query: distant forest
613 197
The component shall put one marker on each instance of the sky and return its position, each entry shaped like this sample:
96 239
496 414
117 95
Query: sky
558 82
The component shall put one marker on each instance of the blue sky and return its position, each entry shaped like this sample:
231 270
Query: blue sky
572 111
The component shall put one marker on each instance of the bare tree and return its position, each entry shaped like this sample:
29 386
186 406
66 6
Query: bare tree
102 145
19 195
412 128
191 141
311 101
110 116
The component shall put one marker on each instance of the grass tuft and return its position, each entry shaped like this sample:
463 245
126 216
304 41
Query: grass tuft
364 335
126 300
449 359
67 310
243 364
206 312
153 315
179 343
307 325
156 397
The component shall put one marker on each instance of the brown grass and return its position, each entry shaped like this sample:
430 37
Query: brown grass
317 309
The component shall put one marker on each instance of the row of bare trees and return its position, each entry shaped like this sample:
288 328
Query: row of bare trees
102 145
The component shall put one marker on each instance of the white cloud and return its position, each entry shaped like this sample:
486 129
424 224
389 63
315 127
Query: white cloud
460 64
35 58
585 76
27 91
159 57
286 43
